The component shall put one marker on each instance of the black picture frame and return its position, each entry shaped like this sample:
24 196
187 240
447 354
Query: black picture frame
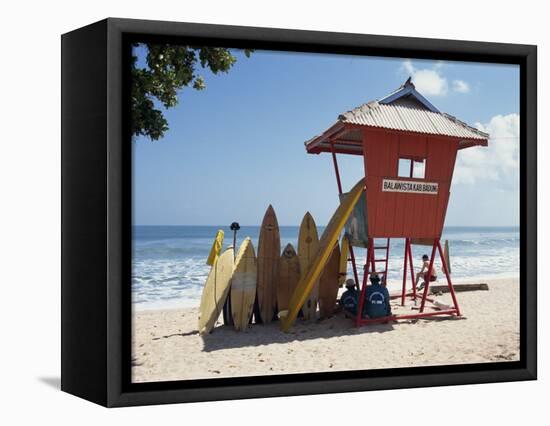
96 198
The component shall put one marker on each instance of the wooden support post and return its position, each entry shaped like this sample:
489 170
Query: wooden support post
458 287
354 266
447 256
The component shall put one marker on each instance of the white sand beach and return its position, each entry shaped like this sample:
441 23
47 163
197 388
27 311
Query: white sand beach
166 344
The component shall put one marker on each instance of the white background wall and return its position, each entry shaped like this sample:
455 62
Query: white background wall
30 209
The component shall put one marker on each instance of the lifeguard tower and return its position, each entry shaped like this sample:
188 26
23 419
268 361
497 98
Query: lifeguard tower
409 149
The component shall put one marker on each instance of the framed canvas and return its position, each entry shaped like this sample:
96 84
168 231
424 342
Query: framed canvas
254 212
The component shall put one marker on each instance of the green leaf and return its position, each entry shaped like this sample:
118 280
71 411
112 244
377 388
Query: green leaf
170 68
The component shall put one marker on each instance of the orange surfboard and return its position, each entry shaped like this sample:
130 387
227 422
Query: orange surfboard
308 244
269 249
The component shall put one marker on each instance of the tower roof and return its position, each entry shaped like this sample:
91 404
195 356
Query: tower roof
405 109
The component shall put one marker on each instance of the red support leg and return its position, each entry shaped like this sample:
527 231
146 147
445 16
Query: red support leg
404 288
386 263
338 181
449 283
370 250
427 285
339 184
412 269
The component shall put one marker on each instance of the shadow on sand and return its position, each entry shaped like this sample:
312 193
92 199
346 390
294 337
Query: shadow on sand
224 337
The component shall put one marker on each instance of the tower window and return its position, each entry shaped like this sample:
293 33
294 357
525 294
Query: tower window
410 168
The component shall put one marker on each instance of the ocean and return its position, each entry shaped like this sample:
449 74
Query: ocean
169 262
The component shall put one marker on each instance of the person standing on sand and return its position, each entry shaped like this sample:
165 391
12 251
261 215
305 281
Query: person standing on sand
424 273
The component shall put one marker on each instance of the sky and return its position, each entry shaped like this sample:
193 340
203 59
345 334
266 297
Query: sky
238 146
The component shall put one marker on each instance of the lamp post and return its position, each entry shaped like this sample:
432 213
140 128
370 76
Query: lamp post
235 227
227 316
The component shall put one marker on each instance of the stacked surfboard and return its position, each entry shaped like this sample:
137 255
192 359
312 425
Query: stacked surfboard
325 290
217 284
263 287
243 285
322 261
229 274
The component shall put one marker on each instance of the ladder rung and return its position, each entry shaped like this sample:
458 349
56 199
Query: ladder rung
380 247
380 260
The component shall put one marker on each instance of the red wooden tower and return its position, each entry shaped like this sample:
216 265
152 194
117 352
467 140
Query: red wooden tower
409 149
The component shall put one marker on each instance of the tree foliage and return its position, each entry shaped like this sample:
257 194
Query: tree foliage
169 69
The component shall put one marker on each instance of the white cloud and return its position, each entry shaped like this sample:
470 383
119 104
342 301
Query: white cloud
497 162
431 81
427 81
461 86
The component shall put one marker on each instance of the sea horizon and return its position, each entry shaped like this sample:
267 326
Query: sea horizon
169 261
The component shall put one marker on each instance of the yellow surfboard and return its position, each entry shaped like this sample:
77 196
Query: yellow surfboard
215 291
326 245
216 248
344 254
243 285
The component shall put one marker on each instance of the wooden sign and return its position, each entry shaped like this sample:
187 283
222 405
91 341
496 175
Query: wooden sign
411 187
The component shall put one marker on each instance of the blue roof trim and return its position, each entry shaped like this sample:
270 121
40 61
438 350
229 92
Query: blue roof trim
406 90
